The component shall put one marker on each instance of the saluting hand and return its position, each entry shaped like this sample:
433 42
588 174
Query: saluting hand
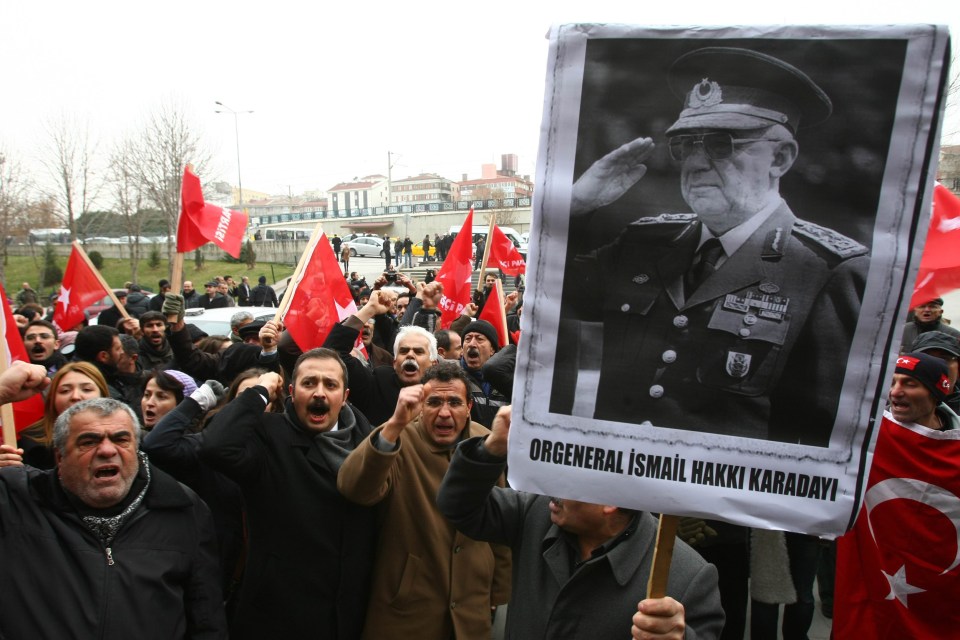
611 176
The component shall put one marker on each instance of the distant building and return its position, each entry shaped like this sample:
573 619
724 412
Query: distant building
362 193
497 184
423 189
948 173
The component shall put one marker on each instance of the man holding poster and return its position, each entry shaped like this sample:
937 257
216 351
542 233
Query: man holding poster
736 318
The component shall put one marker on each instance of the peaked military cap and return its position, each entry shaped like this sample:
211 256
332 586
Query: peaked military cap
734 88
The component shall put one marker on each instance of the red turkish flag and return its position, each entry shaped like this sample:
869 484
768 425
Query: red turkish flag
456 274
321 297
504 255
28 411
940 264
898 569
494 314
80 288
201 223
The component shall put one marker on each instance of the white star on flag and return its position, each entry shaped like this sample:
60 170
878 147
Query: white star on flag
64 297
899 587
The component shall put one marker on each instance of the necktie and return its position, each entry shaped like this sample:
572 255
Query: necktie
709 254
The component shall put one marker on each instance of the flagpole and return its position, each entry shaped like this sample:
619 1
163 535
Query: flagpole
295 278
491 222
103 283
6 411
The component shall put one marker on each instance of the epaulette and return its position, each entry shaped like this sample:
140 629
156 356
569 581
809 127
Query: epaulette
666 218
836 243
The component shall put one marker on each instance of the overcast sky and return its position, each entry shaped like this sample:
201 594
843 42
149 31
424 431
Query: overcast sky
446 86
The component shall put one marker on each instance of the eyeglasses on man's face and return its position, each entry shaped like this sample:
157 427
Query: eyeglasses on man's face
718 145
435 402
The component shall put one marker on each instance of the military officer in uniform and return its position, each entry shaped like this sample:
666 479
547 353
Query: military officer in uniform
736 318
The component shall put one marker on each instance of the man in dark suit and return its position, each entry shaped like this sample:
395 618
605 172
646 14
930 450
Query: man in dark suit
243 292
736 318
311 552
213 299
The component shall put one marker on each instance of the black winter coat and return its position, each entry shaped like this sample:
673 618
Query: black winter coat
164 581
310 553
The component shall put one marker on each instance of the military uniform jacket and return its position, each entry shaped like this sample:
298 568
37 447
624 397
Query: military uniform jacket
758 350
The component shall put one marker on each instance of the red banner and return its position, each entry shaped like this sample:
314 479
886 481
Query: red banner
940 264
504 255
80 288
898 569
456 274
201 223
28 411
321 299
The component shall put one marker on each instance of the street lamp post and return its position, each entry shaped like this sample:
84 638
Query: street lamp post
236 135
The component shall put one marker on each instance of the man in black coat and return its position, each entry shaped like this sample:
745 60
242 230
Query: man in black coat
213 299
310 554
263 295
132 550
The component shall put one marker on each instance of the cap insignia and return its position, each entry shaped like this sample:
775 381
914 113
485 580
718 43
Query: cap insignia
705 94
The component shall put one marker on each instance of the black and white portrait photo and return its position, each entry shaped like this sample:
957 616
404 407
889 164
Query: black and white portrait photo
725 222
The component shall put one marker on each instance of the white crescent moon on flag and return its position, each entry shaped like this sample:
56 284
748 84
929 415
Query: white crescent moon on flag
923 492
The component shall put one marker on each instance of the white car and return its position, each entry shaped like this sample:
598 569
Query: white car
366 247
216 322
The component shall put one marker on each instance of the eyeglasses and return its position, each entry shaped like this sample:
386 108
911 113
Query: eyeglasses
38 336
435 403
717 145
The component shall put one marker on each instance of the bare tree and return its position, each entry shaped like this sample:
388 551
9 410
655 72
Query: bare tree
69 161
14 203
127 193
168 143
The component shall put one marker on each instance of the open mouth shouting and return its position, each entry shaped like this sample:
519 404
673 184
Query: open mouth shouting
318 411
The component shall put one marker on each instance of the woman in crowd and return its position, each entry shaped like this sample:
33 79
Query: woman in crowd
163 391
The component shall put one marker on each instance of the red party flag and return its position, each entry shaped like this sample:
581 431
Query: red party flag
494 314
80 288
456 274
321 297
504 255
940 263
201 223
899 567
28 411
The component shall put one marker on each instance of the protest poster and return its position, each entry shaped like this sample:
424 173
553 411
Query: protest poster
738 377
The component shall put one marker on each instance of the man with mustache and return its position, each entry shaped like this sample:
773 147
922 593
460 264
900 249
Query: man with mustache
375 390
155 349
310 550
399 468
131 549
736 318
43 346
580 570
378 356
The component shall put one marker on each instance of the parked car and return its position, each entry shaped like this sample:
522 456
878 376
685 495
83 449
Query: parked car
418 250
216 322
366 247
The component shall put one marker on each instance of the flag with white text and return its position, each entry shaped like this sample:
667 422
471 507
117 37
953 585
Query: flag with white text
201 222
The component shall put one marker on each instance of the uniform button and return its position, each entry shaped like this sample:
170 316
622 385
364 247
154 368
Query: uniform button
744 332
656 391
453 605
669 356
625 308
749 319
680 321
457 549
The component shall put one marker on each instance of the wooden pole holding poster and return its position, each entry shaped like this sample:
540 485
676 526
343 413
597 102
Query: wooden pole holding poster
295 278
662 556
